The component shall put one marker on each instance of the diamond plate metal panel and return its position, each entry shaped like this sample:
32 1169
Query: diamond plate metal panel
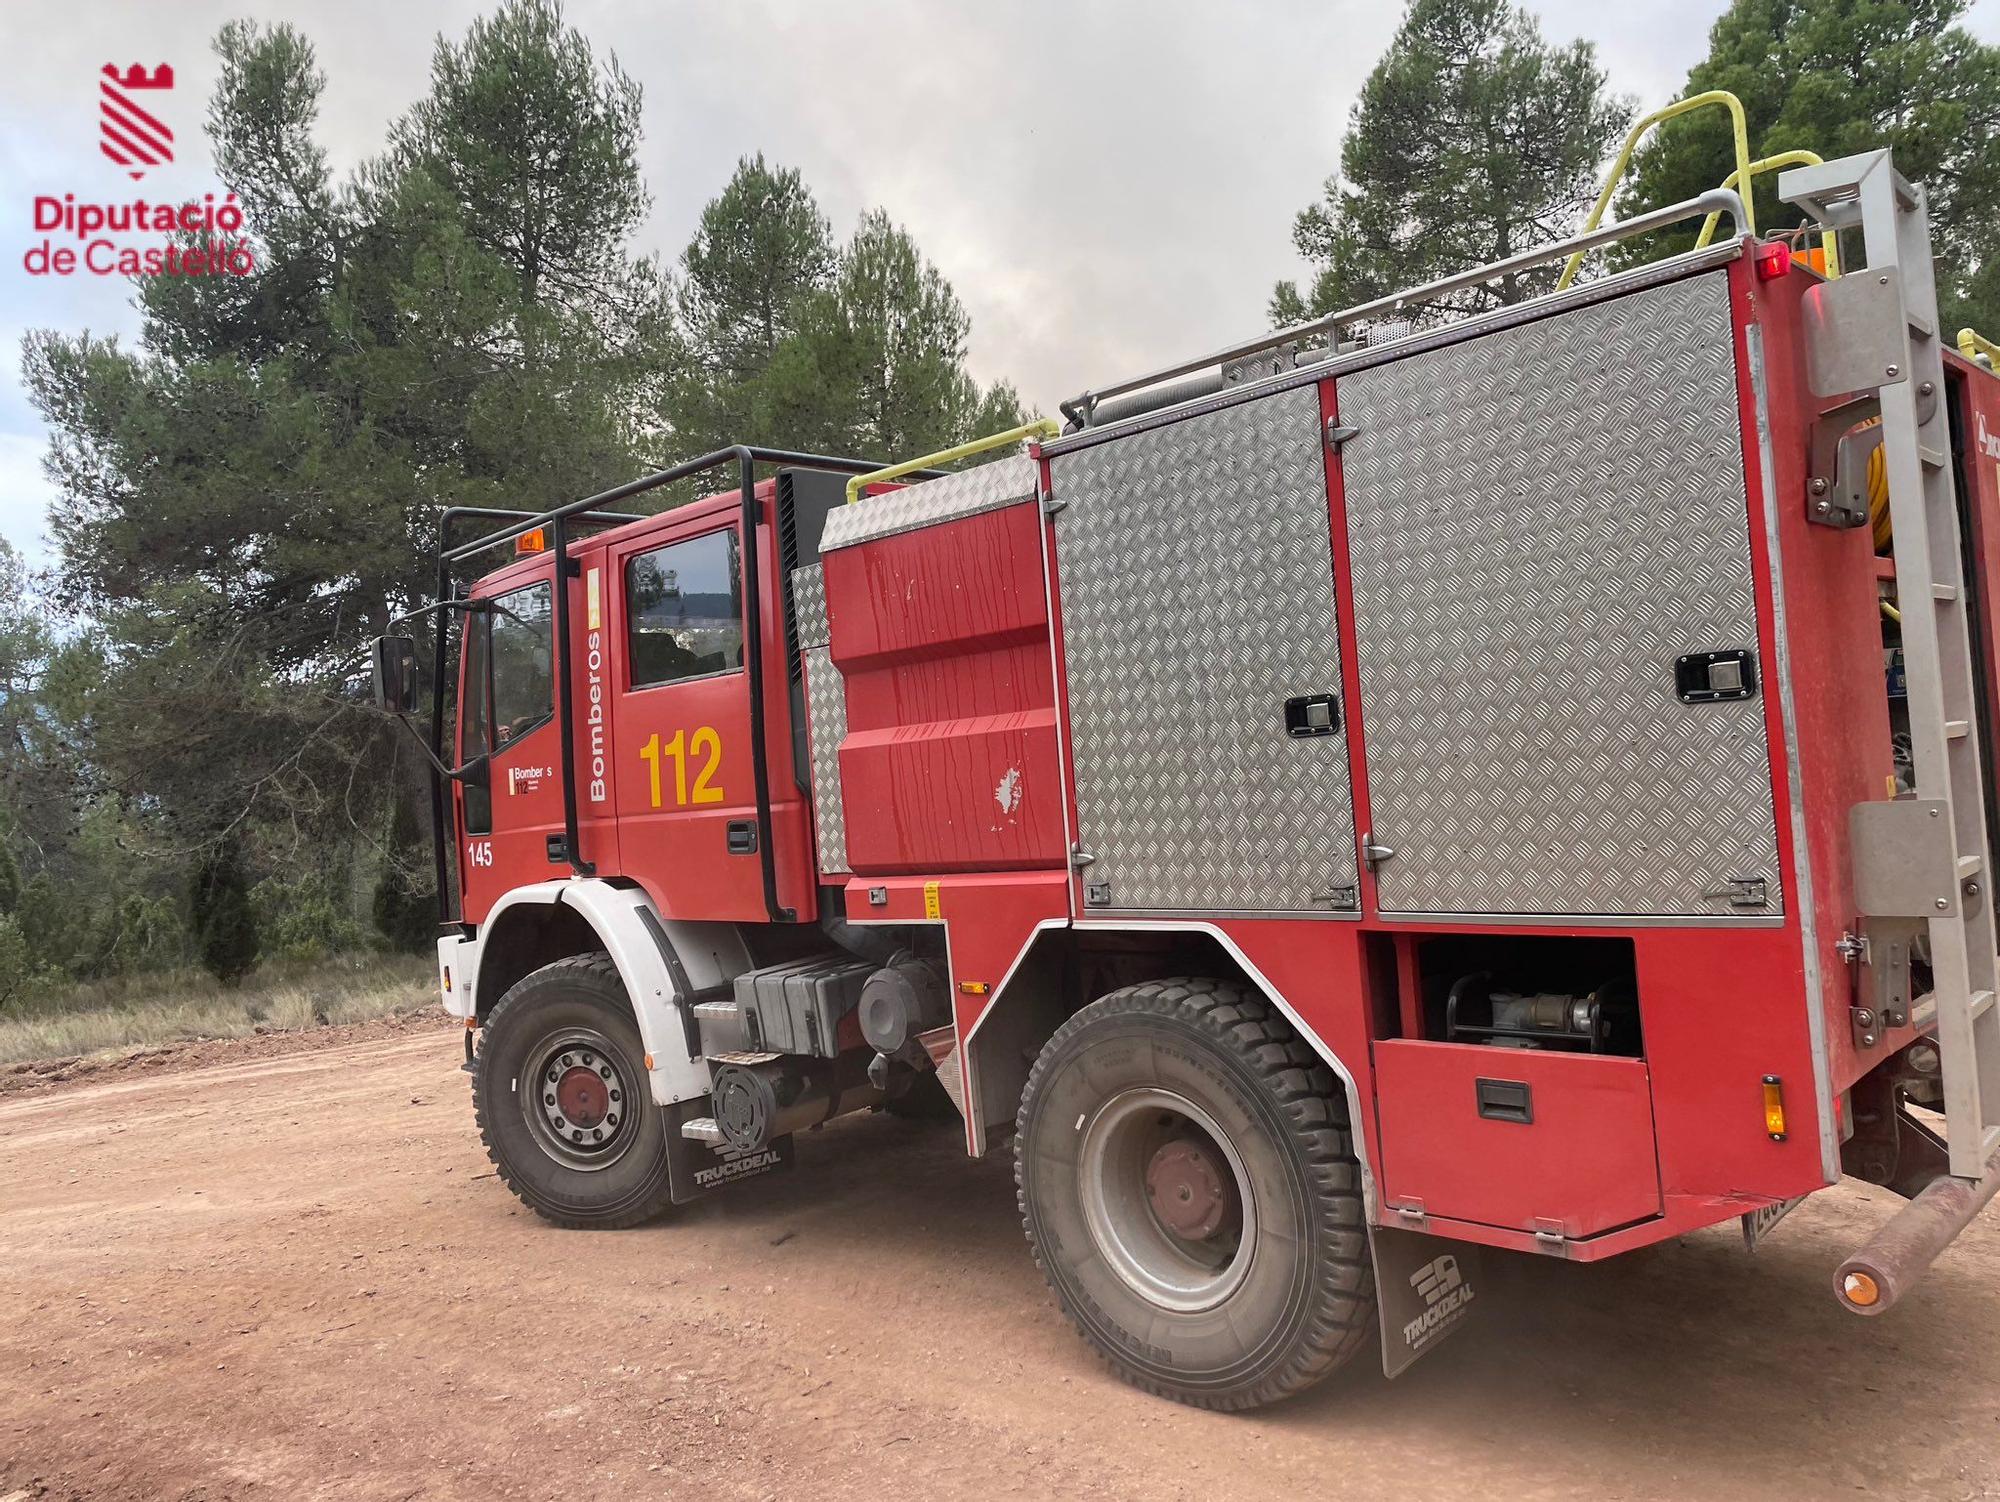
1197 596
826 704
809 606
985 487
826 714
1539 521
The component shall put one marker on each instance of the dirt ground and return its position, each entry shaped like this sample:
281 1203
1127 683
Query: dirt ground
251 1273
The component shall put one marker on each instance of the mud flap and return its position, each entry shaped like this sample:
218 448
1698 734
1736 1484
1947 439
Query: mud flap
1424 1289
1757 1224
694 1168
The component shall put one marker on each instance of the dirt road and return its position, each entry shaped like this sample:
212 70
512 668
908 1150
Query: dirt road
283 1277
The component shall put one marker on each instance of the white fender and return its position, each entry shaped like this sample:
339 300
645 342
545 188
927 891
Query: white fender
662 962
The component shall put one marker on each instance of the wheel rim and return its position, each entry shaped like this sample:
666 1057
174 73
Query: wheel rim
576 1097
1167 1199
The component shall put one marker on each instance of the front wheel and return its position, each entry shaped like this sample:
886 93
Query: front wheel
1188 1182
563 1103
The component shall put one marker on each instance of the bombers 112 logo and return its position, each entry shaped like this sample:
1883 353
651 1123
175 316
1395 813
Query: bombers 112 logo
81 232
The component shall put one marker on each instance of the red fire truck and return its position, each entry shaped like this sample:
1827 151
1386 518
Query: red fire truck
1393 787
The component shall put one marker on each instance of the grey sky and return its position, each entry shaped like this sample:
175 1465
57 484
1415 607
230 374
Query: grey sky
1108 186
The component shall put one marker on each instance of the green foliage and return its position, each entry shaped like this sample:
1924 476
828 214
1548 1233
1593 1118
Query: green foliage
783 340
1474 139
405 911
17 962
762 250
1844 76
404 906
251 490
890 339
247 494
225 928
537 145
305 917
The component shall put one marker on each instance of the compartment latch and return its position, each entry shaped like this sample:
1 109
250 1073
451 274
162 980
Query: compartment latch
1505 1100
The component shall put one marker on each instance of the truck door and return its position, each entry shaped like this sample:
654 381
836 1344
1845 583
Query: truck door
507 713
1548 545
683 786
1204 669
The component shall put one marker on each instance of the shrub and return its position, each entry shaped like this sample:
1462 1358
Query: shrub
225 929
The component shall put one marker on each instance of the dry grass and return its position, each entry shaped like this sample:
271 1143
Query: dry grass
151 1010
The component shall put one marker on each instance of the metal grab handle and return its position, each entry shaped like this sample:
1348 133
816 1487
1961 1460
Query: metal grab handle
1978 349
1722 98
1715 200
1046 427
1829 241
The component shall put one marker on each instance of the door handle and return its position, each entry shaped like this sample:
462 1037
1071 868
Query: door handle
1372 851
742 837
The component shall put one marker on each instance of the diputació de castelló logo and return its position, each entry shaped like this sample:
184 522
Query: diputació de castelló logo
127 132
97 236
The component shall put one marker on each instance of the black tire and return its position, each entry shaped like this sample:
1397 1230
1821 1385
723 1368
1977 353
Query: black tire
1099 1098
571 1021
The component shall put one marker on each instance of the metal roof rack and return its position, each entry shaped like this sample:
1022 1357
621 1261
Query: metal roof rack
1082 410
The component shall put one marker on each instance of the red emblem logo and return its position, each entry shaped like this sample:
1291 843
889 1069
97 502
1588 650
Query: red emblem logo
128 133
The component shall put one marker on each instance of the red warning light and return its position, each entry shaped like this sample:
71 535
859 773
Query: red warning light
1774 259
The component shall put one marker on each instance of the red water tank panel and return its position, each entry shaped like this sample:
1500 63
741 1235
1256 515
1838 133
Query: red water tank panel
942 637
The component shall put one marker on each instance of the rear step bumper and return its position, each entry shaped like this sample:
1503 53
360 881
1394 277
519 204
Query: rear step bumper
1892 1260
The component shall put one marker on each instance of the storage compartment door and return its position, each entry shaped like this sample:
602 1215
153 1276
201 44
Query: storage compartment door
1197 602
1516 1137
1542 521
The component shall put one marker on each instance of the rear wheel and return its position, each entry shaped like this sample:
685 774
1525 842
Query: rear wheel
563 1103
1189 1186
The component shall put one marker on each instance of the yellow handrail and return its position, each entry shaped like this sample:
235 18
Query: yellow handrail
1829 241
1720 97
1972 345
1046 427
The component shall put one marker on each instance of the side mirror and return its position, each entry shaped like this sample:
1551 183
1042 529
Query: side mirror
394 661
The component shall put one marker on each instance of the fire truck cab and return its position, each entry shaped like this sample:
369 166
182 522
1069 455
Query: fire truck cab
1367 795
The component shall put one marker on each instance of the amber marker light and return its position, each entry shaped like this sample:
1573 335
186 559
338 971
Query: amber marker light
1860 1290
531 542
1774 1107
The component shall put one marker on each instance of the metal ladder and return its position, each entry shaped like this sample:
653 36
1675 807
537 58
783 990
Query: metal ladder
1878 327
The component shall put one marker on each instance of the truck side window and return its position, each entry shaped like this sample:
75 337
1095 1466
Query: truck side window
684 610
520 639
509 683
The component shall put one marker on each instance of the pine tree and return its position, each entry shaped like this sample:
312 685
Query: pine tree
250 491
405 903
246 496
1474 139
224 927
789 343
537 143
761 253
1839 77
761 250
